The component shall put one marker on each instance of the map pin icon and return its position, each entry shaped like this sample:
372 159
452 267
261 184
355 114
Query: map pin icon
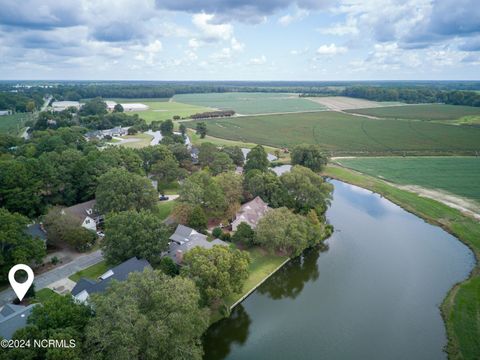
20 288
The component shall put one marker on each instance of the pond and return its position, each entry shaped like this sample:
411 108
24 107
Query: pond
375 294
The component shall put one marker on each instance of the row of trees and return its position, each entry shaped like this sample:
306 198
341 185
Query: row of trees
414 95
20 102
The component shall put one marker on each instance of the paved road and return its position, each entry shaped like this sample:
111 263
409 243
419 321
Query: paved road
49 277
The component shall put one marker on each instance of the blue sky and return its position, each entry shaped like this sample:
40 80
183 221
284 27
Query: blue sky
240 39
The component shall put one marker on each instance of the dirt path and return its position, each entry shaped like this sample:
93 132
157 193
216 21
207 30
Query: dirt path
466 206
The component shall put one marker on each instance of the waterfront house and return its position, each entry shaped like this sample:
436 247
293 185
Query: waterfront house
250 213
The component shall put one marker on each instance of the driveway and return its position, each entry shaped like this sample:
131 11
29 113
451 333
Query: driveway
46 279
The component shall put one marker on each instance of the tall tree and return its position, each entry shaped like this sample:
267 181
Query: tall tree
131 233
235 154
166 128
183 129
306 190
149 316
310 156
280 230
119 190
221 163
16 247
267 185
201 129
218 272
257 158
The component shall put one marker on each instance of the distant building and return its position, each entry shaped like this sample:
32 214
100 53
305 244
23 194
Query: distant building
5 112
134 107
86 214
64 105
250 213
184 239
85 287
12 318
110 105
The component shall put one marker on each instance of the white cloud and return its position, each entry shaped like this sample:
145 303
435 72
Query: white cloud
290 18
237 45
261 60
339 29
211 31
330 50
194 43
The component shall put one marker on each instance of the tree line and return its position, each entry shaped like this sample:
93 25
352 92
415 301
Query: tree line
414 95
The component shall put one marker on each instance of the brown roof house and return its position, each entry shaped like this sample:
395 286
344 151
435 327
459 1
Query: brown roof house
184 239
250 213
85 214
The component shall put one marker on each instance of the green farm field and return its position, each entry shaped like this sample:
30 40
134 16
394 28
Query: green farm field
12 124
420 112
251 103
456 175
342 133
163 109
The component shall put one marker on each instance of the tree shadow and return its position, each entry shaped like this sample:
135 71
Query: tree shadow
220 337
290 280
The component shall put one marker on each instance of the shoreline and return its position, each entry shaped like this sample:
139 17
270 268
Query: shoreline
455 316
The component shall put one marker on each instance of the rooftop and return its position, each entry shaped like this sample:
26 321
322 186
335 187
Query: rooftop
12 318
119 273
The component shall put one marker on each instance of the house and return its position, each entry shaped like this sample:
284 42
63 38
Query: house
184 239
5 112
85 214
64 105
85 287
37 231
134 107
250 213
12 318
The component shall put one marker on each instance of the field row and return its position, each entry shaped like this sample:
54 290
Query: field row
341 132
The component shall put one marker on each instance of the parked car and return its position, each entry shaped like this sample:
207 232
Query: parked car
163 198
100 234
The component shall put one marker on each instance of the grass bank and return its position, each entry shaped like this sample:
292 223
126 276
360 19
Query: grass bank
262 266
461 307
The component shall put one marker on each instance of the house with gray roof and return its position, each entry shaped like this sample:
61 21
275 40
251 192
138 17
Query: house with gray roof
85 287
251 213
184 239
85 214
12 318
37 231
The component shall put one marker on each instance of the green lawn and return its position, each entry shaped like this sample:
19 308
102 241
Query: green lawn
44 294
262 265
163 109
251 103
92 272
13 124
421 112
461 307
141 140
164 209
457 175
342 133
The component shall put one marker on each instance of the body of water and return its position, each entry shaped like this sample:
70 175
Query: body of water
375 294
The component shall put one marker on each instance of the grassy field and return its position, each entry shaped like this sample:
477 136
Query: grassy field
162 109
343 133
251 103
164 209
92 272
420 112
461 307
457 175
262 265
136 141
12 124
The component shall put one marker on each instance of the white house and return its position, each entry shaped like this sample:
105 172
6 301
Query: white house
85 214
64 105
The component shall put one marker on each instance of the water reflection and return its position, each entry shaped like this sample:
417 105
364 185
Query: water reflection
223 334
288 282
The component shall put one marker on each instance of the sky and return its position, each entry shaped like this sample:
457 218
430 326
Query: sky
239 40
